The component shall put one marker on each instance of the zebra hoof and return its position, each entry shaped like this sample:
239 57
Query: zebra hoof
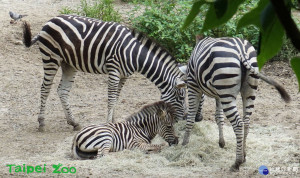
41 129
221 144
244 160
236 166
76 127
198 117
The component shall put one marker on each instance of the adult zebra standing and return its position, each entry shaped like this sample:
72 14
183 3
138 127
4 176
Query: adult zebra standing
83 44
221 68
136 132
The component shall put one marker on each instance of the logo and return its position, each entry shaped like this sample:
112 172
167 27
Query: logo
63 169
40 169
263 170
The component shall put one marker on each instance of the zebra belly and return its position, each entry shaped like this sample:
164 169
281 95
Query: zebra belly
56 57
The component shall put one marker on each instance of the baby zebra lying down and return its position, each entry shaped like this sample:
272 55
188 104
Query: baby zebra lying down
136 132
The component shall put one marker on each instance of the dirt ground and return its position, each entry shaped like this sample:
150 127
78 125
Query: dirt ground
273 141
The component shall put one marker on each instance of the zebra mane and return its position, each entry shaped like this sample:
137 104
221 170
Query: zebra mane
143 36
153 109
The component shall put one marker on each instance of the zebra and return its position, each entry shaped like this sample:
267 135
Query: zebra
136 132
221 68
77 43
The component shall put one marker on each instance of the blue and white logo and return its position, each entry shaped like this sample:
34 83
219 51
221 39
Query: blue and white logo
263 170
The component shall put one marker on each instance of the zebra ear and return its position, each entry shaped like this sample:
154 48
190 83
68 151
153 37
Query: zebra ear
161 113
183 69
199 38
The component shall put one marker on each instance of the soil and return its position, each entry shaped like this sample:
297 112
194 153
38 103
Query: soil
273 141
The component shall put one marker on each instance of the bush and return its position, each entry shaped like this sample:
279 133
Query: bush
162 20
99 9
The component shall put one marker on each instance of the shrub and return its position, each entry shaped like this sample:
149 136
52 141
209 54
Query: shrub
162 20
99 9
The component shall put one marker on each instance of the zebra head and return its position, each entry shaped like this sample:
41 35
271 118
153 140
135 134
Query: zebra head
167 120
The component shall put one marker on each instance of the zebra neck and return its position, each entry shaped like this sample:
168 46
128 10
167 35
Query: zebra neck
163 74
148 125
154 62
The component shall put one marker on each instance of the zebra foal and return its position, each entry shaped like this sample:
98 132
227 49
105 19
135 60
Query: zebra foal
137 132
222 68
77 43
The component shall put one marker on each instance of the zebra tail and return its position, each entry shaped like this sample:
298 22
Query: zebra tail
78 154
27 35
283 93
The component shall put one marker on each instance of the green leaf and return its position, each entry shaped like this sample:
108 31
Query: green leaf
272 35
267 16
295 63
220 12
193 13
253 17
221 7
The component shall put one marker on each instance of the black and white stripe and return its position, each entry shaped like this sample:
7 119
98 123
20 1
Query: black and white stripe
137 132
77 43
222 68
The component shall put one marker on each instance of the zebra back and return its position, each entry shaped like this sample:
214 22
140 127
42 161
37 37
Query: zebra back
99 47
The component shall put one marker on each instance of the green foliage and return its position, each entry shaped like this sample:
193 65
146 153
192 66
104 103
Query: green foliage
287 51
67 10
162 21
220 12
99 9
295 63
263 17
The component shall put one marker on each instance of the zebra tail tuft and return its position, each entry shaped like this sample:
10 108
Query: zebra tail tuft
283 93
27 35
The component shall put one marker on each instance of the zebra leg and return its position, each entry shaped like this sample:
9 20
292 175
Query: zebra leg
248 93
104 150
219 117
120 86
231 112
63 90
50 70
149 147
199 116
113 89
194 100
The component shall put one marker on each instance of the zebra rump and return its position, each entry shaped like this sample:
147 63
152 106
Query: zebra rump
136 132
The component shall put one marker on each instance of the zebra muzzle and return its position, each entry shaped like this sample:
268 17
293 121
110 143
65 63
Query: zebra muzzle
174 142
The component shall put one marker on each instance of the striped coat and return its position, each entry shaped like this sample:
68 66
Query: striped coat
77 43
137 132
222 68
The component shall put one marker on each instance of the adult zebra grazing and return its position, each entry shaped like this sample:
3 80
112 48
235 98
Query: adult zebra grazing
221 68
83 44
137 132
